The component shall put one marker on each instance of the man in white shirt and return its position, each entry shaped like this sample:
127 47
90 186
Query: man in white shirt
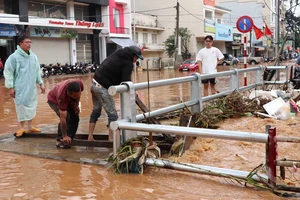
208 58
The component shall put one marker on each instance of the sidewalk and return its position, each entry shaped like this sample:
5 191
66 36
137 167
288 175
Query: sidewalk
44 146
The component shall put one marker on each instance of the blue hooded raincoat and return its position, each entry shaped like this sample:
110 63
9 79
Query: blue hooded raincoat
22 72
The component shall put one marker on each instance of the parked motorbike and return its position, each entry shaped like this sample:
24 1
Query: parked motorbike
58 69
44 71
67 69
93 67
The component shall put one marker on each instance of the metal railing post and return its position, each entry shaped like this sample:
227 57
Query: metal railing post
116 141
128 109
259 76
234 80
287 75
196 93
271 155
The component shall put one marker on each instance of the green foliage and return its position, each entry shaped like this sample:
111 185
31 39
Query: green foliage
297 40
170 45
291 16
185 35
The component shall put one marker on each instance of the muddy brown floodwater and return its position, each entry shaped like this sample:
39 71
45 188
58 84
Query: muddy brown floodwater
24 177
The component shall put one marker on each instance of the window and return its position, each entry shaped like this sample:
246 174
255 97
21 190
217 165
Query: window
51 10
145 38
154 38
209 14
116 14
81 12
36 9
5 6
56 11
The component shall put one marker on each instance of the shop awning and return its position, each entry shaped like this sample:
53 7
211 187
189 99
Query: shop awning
123 42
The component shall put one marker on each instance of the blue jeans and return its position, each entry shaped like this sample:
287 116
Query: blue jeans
72 122
101 98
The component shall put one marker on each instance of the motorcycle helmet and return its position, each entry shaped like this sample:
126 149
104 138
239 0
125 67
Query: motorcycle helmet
136 51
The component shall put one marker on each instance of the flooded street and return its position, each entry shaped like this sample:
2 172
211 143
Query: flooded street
25 177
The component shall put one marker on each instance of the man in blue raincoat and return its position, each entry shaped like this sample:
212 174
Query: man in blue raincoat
22 72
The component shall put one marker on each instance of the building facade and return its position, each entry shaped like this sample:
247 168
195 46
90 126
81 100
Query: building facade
61 31
146 33
213 17
201 18
66 31
118 34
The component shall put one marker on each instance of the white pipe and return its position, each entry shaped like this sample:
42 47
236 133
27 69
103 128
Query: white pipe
191 131
202 169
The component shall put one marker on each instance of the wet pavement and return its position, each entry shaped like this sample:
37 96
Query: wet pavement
43 147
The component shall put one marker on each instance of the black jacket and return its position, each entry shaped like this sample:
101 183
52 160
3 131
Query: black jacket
115 69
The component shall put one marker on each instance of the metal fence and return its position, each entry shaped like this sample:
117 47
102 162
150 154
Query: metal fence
128 122
127 96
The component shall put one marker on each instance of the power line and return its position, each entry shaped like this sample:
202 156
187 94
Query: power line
270 8
191 13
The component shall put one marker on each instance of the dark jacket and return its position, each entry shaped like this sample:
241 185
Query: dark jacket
115 69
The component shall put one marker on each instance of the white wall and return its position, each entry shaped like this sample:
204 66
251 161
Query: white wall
166 18
51 50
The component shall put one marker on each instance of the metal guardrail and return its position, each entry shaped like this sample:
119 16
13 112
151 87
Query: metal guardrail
128 124
127 93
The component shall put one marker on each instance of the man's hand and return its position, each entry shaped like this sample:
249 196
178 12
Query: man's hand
12 92
43 90
67 139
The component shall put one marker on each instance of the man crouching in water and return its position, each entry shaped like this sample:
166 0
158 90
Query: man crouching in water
64 100
114 70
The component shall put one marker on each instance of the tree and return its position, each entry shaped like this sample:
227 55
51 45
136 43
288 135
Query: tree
292 18
185 35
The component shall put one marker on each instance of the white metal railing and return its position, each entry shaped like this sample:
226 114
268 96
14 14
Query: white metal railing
128 107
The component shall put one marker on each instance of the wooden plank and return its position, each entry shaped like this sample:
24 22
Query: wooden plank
187 140
151 120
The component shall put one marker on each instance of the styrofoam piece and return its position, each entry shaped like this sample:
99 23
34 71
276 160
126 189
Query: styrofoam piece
264 94
274 105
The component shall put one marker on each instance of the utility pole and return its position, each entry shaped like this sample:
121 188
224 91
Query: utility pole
177 24
277 28
177 31
250 52
134 21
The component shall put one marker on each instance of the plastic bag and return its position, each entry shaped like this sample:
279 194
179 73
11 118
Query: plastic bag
284 112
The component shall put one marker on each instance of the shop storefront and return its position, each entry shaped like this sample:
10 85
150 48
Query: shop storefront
51 44
60 32
236 44
57 40
7 43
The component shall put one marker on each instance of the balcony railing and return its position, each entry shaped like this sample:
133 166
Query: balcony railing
154 47
122 1
122 30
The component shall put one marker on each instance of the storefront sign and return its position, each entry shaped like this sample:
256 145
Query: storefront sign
7 30
77 23
237 38
209 3
224 32
57 23
236 47
42 31
209 26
